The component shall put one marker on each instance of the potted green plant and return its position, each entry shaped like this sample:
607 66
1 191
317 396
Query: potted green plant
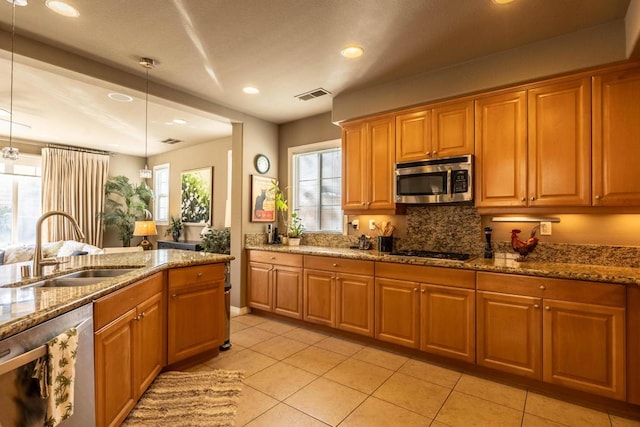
295 230
217 241
175 228
125 203
281 204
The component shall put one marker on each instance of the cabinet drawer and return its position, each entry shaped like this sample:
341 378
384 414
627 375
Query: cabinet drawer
339 265
292 260
117 303
561 289
196 275
426 274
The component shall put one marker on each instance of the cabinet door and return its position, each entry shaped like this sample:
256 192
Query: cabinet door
452 129
397 305
584 347
194 320
447 322
287 291
501 150
413 136
354 166
616 132
509 331
380 179
320 294
149 328
559 144
354 303
116 392
259 280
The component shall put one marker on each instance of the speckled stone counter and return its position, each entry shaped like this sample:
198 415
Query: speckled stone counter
22 307
595 273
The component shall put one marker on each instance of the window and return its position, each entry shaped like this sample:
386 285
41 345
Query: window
20 199
317 186
161 193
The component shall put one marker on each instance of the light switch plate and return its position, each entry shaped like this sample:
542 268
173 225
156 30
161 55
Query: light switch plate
545 228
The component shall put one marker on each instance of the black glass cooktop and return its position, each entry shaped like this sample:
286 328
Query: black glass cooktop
433 254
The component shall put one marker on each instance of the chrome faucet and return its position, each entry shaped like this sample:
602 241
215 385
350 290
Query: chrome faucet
37 251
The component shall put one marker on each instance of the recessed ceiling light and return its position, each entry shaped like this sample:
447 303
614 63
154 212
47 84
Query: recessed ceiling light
502 1
179 121
352 52
251 90
62 8
121 97
4 113
18 2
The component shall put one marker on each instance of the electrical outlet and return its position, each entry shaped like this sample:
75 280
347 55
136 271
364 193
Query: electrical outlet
355 224
372 224
545 228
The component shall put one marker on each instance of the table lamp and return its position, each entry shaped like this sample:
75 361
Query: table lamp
145 229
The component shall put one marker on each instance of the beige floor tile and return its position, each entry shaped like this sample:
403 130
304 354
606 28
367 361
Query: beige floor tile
339 345
306 336
284 415
251 336
531 420
199 368
252 404
237 326
564 412
250 319
315 360
280 380
376 412
430 372
466 411
326 400
235 348
275 327
413 394
438 424
360 375
381 358
618 421
279 347
495 392
246 360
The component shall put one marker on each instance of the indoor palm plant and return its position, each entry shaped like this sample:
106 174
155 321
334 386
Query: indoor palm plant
281 204
175 228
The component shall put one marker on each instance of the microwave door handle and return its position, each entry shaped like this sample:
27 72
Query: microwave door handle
449 184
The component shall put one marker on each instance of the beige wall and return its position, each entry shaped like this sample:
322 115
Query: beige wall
632 23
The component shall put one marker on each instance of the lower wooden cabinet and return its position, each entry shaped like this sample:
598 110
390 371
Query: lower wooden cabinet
195 304
129 347
397 312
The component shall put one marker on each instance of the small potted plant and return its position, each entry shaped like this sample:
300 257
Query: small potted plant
175 228
295 229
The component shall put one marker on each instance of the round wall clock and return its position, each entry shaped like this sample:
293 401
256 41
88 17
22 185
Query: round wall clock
262 163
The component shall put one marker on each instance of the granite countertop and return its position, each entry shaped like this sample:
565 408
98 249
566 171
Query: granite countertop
500 264
23 307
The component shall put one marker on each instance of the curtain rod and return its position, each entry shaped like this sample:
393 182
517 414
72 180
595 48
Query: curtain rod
82 150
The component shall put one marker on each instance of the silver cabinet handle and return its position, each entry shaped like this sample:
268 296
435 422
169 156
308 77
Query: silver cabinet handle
536 305
597 197
522 199
415 289
547 308
335 265
542 287
199 275
533 198
435 152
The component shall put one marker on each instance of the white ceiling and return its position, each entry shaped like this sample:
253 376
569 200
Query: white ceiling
211 49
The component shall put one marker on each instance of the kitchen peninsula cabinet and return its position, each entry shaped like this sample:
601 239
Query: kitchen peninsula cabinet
129 347
439 130
339 293
430 308
533 146
195 304
275 282
368 157
565 332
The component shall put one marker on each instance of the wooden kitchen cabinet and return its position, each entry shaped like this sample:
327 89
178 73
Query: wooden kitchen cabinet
565 332
129 347
439 130
339 293
397 312
195 304
368 158
275 282
533 146
616 132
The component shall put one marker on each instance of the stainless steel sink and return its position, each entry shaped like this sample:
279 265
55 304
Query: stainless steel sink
98 272
80 278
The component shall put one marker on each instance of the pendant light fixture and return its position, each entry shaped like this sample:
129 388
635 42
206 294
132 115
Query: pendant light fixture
148 64
11 152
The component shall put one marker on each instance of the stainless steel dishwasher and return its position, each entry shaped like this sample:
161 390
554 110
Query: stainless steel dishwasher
20 401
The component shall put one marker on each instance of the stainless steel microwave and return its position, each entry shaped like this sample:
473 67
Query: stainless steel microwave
445 180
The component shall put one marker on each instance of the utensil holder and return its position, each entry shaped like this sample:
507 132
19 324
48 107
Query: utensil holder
385 243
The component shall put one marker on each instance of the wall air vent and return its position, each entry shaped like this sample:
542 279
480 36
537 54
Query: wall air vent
171 141
312 94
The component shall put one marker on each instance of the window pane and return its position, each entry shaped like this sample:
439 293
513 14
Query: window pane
332 218
307 166
331 192
308 193
332 164
309 217
6 203
29 207
161 193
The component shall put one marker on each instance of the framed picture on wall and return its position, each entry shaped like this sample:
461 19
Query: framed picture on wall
197 195
263 207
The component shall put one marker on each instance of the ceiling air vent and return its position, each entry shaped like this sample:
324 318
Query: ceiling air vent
171 141
312 94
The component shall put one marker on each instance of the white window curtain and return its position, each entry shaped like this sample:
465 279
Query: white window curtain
73 182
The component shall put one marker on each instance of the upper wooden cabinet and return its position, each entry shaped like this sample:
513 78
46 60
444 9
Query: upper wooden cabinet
368 157
533 147
616 136
439 130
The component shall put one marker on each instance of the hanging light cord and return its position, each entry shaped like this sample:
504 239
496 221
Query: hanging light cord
146 118
13 36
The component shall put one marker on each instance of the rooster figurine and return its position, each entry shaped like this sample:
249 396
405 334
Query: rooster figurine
524 248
